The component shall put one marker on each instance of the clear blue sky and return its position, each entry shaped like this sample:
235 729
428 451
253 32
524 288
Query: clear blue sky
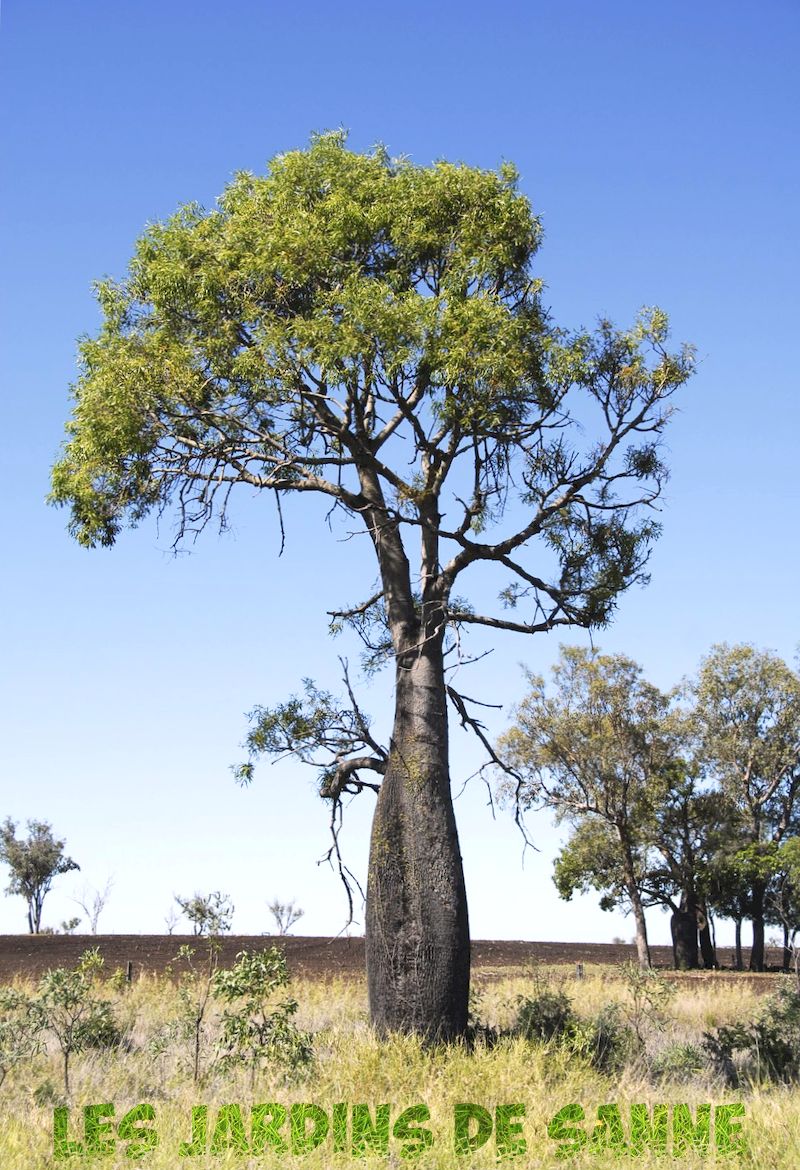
659 143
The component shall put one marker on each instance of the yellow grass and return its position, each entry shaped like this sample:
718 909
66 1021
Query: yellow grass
351 1065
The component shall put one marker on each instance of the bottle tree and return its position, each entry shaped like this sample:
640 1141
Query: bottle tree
371 331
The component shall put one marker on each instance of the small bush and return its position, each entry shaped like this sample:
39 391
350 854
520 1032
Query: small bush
257 1026
679 1061
546 1015
767 1049
605 1040
46 1094
99 1030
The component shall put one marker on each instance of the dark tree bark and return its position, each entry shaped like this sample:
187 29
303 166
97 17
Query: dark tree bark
417 932
684 938
738 944
757 953
708 948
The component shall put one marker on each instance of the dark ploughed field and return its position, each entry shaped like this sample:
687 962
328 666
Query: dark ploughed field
317 958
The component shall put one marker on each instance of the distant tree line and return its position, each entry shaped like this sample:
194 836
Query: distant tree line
687 799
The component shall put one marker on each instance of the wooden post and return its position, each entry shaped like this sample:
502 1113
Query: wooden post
129 972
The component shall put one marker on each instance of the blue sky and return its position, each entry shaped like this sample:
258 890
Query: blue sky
659 144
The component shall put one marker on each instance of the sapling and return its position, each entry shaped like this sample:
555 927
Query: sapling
71 1009
257 1027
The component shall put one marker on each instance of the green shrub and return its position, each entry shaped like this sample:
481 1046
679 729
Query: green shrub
546 1015
766 1049
72 1010
99 1030
679 1061
605 1040
257 1025
20 1029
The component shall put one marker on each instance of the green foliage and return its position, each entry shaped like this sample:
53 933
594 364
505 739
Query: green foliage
317 728
648 996
209 914
747 713
343 299
590 860
21 1026
33 864
194 994
604 1041
257 1025
599 744
545 1015
679 1061
72 1010
599 748
764 1049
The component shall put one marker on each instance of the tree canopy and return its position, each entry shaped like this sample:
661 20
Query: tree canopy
291 337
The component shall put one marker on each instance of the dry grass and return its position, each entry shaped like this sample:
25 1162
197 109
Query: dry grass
352 1065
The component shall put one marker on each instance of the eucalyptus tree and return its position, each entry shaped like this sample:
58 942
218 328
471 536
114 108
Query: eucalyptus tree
598 748
747 708
669 867
372 332
33 863
687 825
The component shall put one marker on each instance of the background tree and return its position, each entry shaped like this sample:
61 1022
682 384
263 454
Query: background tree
686 827
785 901
747 707
371 331
210 914
33 864
729 882
598 750
591 860
93 903
284 914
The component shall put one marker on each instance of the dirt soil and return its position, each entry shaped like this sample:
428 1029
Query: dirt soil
324 958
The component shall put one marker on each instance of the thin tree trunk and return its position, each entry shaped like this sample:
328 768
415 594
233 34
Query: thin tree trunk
417 933
787 950
642 949
738 944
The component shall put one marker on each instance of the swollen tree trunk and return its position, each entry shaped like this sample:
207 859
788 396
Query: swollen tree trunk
757 953
417 934
684 936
